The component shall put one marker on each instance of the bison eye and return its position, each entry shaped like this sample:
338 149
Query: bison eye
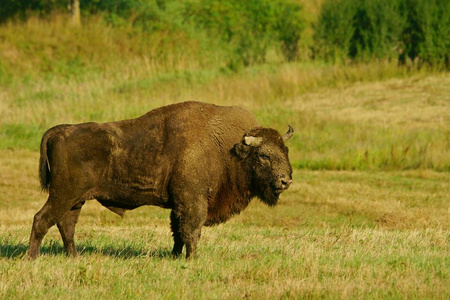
264 157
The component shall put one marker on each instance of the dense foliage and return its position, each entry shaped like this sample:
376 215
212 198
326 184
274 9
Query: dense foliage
245 32
250 28
242 31
407 30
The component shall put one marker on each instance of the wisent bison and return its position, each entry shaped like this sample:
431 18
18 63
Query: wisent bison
202 161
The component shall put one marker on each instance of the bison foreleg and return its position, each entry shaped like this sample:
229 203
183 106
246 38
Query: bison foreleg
178 241
192 241
67 228
191 219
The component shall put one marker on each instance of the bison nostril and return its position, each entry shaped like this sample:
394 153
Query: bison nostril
285 182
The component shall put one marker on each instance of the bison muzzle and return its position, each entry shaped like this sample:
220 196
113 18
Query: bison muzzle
202 161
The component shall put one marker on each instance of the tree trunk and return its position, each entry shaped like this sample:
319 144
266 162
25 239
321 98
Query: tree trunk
74 8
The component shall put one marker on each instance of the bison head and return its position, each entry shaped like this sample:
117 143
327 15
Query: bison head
264 153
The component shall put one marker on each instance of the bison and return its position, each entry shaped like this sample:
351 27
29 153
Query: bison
204 162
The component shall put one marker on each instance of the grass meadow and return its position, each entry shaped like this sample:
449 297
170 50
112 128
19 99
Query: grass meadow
335 234
368 214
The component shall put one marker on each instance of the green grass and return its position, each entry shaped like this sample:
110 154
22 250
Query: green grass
388 125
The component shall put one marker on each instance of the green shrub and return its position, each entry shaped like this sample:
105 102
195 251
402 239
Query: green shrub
289 26
378 25
20 8
426 36
363 30
334 30
146 15
249 29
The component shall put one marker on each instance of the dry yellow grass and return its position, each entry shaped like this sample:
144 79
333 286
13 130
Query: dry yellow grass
417 102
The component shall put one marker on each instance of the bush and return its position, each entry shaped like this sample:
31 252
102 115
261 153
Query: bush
427 34
378 25
289 26
145 15
334 31
239 32
20 8
363 30
248 29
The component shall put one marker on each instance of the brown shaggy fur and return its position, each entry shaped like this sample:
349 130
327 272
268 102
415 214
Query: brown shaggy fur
190 157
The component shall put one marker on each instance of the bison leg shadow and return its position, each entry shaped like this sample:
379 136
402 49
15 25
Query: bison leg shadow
8 250
19 250
56 248
126 252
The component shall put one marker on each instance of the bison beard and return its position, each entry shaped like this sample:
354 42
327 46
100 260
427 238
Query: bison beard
202 161
270 197
267 193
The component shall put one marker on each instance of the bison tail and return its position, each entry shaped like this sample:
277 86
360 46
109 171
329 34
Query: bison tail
46 151
44 165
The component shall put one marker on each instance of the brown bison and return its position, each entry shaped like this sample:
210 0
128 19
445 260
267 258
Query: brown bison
202 161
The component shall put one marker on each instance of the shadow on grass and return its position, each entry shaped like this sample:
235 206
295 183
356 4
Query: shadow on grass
55 249
12 251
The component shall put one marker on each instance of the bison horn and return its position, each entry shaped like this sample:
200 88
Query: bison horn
252 141
288 134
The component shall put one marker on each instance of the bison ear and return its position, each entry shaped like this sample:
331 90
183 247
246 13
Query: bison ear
243 148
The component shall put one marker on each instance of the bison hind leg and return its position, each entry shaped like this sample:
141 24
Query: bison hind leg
67 228
55 210
43 220
41 223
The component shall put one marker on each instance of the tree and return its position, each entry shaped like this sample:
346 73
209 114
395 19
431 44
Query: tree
74 8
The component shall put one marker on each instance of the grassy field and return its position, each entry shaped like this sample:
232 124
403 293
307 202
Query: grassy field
334 235
355 125
374 226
